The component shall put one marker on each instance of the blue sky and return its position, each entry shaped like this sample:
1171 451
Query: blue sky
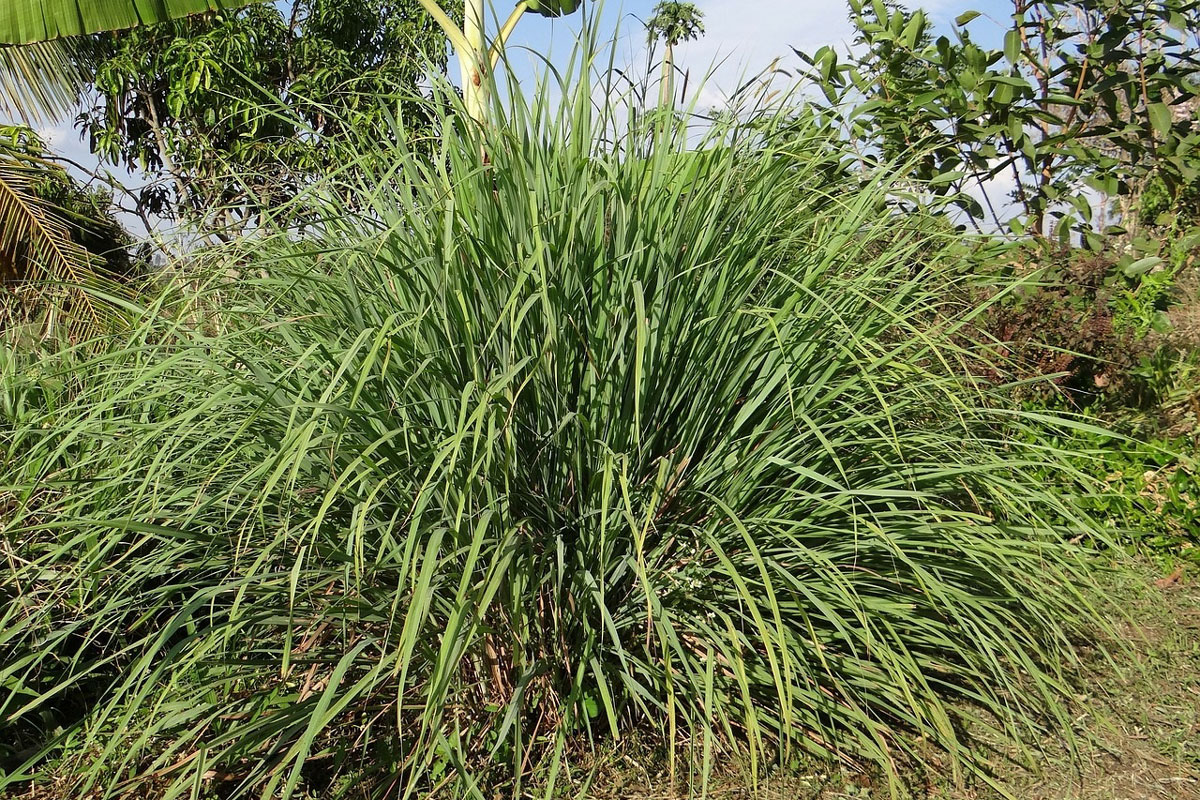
743 36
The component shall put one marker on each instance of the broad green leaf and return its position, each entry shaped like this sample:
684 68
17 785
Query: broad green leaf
1012 46
1160 117
1008 80
1109 184
1082 206
26 21
881 11
913 30
1142 266
553 8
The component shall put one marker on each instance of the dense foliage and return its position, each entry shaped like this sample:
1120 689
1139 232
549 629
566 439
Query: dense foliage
1081 99
234 113
540 450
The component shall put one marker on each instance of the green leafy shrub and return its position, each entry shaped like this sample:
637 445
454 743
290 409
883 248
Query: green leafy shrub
569 431
1105 331
1147 493
1080 98
1156 200
1058 331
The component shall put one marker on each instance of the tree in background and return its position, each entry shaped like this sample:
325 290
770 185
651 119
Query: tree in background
1081 99
45 75
46 57
673 22
238 111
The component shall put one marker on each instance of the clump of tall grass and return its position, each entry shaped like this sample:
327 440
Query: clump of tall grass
568 430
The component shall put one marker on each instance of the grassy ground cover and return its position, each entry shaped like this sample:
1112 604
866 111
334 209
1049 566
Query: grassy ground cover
1136 724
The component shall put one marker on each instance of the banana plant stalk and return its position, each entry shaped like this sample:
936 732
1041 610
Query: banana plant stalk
477 57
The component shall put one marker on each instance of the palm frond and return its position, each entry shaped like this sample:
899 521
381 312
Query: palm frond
36 245
42 82
25 21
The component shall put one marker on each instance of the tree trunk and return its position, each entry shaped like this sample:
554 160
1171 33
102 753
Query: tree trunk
666 92
473 63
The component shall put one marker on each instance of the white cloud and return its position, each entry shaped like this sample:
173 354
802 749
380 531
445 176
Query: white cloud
743 39
54 136
767 32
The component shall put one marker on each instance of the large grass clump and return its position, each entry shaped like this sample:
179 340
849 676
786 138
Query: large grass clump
579 427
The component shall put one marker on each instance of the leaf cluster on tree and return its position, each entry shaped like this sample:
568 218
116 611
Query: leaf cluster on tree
673 22
1082 100
238 111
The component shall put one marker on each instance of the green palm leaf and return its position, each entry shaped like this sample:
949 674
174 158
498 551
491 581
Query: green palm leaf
36 245
41 82
25 21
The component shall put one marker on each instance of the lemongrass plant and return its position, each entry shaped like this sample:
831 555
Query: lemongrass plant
500 461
